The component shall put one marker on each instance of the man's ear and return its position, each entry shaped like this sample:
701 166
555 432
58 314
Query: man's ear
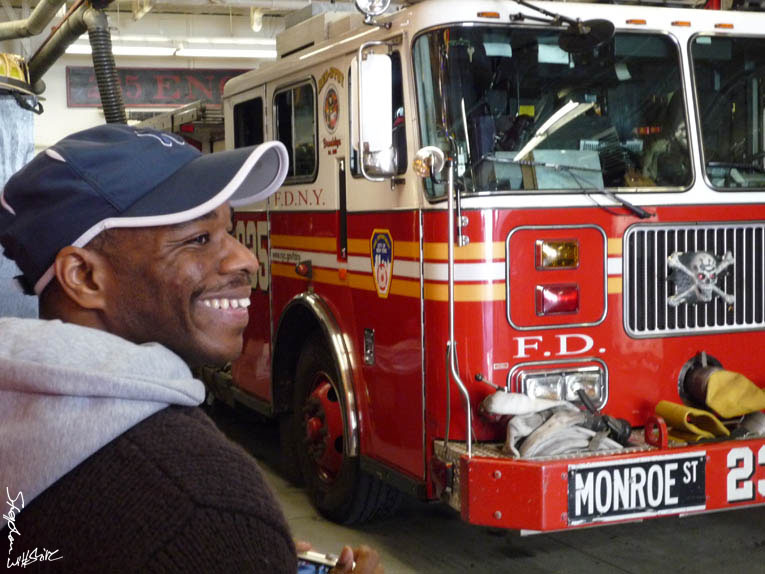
83 275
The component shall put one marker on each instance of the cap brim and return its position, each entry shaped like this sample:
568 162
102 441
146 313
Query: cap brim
241 176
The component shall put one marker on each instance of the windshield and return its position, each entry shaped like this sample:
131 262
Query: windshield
730 74
611 119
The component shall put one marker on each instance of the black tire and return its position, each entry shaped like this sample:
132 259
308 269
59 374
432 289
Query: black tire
288 456
338 488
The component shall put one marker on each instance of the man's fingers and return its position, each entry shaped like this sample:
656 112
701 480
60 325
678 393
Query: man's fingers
362 560
344 562
367 561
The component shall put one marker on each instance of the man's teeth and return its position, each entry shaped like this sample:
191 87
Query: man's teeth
225 303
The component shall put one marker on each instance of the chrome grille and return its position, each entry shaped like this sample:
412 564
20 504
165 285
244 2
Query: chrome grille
647 312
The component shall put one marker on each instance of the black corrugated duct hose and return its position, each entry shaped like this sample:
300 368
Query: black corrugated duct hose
104 67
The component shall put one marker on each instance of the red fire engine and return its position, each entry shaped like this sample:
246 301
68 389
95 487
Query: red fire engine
495 204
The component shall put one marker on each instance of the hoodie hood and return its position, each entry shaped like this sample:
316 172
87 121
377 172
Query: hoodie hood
67 390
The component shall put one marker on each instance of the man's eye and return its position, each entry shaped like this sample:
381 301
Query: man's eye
202 239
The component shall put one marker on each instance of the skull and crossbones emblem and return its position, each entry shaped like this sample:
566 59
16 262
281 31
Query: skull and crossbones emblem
695 275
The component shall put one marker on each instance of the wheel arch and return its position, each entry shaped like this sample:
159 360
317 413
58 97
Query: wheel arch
305 313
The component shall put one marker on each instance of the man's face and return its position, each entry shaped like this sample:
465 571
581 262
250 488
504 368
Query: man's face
681 135
186 286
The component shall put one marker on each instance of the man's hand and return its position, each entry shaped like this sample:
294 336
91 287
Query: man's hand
367 561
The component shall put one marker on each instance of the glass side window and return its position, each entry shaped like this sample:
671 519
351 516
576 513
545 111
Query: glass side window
729 76
248 123
295 117
519 113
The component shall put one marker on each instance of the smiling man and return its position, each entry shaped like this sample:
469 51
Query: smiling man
188 283
125 236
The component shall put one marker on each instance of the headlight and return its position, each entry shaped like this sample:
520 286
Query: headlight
563 384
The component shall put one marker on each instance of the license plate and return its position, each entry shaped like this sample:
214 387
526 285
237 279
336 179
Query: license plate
636 487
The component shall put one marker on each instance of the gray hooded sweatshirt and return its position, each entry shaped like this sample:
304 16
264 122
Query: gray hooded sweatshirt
67 390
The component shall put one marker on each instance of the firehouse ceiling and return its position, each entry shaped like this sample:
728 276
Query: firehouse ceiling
268 8
151 22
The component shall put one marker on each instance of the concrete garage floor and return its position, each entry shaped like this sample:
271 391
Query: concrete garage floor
431 538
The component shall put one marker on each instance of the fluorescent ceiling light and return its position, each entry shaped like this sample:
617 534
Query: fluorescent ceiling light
218 51
78 49
125 50
143 50
232 41
117 37
225 53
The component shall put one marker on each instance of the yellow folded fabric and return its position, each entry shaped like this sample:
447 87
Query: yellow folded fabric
731 394
682 437
684 419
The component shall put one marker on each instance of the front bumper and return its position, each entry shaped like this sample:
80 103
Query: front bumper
633 484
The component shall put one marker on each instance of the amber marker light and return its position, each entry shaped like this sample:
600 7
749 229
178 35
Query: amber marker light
557 299
488 15
683 23
557 254
724 26
636 22
422 167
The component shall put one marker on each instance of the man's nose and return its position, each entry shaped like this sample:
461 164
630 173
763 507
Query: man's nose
238 258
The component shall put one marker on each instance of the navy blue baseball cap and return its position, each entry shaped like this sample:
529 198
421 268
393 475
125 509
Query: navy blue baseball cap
120 176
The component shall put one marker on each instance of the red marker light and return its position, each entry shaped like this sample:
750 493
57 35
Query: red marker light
556 299
304 269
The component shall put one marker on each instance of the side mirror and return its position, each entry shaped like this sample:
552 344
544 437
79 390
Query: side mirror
377 155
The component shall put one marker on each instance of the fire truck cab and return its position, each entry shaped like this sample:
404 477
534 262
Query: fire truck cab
492 204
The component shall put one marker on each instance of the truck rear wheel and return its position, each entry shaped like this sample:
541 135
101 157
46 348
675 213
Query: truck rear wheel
340 490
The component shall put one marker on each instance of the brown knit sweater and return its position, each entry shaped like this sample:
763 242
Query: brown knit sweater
172 494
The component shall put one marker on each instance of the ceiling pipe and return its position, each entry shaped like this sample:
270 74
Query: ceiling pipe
54 47
94 21
38 19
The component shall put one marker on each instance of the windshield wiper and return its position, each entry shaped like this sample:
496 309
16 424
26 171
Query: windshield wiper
635 209
535 163
578 37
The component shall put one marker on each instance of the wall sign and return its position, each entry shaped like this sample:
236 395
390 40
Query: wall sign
150 87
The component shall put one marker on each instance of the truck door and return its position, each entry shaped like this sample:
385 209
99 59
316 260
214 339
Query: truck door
384 254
